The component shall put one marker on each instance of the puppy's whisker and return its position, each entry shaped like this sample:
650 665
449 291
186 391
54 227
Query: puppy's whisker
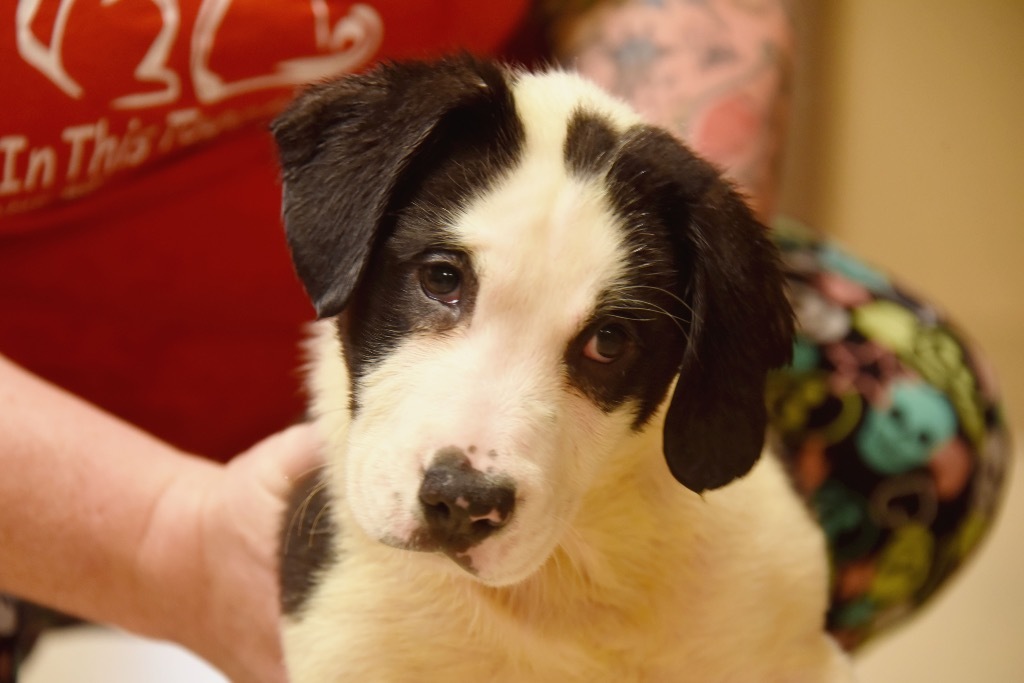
295 523
313 530
660 290
641 305
630 306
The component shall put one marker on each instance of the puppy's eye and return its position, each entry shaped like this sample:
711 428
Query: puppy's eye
607 344
441 282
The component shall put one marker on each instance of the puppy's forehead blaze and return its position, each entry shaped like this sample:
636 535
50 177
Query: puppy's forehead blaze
542 243
546 238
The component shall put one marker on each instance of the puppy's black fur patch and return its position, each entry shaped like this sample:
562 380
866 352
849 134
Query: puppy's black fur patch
589 142
389 304
375 167
645 303
307 543
356 151
739 324
703 298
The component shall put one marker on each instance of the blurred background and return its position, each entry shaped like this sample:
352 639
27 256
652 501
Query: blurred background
907 145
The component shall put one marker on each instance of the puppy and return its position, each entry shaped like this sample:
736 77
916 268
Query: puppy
540 367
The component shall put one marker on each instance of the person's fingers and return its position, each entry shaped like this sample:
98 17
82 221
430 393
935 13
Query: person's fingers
282 458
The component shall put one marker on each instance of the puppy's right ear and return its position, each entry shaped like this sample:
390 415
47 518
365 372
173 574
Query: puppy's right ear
344 147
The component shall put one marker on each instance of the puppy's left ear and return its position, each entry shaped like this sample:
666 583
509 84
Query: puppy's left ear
740 325
346 145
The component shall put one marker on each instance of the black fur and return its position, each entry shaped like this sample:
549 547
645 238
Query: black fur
645 303
589 140
307 543
703 298
389 304
739 324
350 148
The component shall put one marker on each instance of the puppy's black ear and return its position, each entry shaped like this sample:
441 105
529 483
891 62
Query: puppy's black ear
740 321
344 147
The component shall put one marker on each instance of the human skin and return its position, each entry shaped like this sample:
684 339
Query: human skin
110 524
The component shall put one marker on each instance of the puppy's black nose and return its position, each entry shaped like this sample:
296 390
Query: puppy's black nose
461 504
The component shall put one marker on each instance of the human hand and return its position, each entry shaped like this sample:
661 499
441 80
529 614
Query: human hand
110 524
227 606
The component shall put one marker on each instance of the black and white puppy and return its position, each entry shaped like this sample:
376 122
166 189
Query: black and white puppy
540 369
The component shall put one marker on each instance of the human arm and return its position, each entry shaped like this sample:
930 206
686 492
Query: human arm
717 73
102 520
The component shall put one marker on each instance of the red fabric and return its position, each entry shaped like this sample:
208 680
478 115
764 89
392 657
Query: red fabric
142 263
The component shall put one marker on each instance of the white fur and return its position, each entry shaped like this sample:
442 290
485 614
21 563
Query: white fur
610 570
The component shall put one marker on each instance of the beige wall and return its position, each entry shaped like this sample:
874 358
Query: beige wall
908 146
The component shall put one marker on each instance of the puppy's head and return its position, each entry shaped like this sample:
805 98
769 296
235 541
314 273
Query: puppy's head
519 270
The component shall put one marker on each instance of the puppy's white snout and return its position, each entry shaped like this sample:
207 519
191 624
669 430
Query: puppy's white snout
462 505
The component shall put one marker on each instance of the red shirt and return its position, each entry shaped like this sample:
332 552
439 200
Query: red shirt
142 260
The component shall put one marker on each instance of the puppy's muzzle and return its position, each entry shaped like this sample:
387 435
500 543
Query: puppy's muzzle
462 505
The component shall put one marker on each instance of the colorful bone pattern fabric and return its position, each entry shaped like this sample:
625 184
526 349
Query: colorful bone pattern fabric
891 424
